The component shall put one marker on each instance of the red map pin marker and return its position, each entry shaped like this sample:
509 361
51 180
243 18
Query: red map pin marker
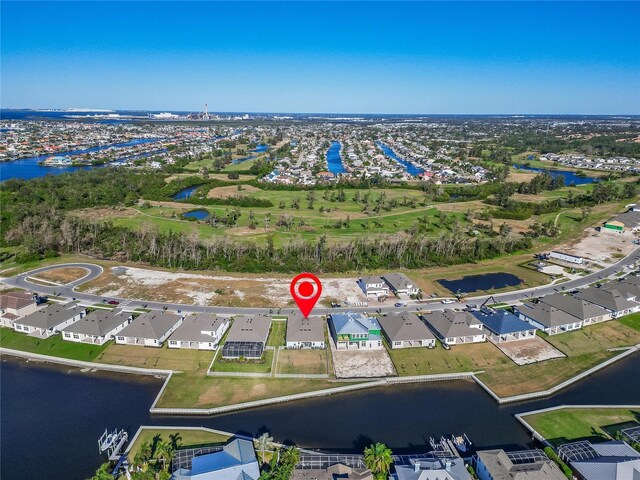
305 290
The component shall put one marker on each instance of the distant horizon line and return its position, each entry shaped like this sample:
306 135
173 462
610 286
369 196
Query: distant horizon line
105 111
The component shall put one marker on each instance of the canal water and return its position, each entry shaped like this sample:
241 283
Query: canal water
56 414
28 167
487 281
334 159
408 166
569 175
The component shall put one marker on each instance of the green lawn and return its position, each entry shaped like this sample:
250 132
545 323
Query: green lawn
571 424
277 333
304 361
190 438
631 321
54 346
248 366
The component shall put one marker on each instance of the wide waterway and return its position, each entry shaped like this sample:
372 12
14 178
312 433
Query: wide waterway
56 414
409 167
334 159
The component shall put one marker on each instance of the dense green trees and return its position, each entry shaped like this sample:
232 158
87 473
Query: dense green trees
378 459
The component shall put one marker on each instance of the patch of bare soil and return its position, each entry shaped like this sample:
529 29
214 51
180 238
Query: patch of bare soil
62 275
243 231
601 246
362 363
104 212
232 191
524 352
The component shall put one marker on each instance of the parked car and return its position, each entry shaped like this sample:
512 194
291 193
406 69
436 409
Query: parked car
399 304
113 302
447 301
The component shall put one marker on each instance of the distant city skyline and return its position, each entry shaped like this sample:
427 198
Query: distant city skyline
325 57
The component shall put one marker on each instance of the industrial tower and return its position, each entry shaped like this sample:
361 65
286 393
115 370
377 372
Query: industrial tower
205 114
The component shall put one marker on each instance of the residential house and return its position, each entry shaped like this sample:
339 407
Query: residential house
14 305
630 219
355 330
519 465
308 469
304 332
612 460
504 326
404 330
49 320
236 461
201 332
547 318
247 337
150 329
399 284
374 286
612 299
436 468
585 311
98 327
454 328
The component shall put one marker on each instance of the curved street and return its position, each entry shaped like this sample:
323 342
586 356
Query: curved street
511 297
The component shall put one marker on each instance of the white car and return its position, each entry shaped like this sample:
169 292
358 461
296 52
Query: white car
447 301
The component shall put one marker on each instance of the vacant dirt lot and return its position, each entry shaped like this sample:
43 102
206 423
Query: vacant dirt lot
362 363
63 275
601 246
231 191
524 352
223 290
302 362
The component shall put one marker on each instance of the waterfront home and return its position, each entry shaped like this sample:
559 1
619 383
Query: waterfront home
629 287
313 467
304 332
355 330
612 460
236 461
97 327
49 320
519 465
454 328
566 257
611 299
374 286
504 326
202 332
405 330
587 312
247 337
547 318
14 305
399 284
150 329
433 468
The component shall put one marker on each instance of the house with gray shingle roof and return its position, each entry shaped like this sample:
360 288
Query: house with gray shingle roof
97 327
236 461
49 320
202 332
247 337
436 468
355 330
518 465
14 305
304 332
399 284
454 328
150 329
373 286
547 318
587 312
405 330
612 460
612 299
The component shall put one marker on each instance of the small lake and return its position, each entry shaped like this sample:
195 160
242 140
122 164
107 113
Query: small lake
334 159
185 193
569 175
409 167
197 214
260 148
487 281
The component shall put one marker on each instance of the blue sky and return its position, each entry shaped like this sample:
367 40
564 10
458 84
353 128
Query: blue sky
360 57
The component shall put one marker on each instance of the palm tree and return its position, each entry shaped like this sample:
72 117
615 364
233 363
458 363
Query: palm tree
378 459
164 452
145 450
264 441
176 440
103 472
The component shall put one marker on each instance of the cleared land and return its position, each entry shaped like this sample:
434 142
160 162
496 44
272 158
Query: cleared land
524 352
362 363
302 362
190 438
571 424
62 275
187 360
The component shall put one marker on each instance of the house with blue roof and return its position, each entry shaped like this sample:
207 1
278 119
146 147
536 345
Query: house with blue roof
355 330
504 326
236 461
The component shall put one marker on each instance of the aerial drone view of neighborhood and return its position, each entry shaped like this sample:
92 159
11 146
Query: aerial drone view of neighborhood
201 294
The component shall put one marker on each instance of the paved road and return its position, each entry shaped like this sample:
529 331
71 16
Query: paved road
94 271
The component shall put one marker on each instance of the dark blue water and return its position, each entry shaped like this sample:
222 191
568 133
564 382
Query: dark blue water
261 148
56 414
334 160
185 193
569 176
28 167
409 167
243 159
197 214
487 281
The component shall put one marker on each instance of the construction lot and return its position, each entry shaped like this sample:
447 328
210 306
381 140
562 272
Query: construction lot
524 352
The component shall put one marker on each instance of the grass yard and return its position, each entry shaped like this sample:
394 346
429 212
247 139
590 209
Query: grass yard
310 362
572 424
248 366
277 333
54 346
190 438
192 391
187 360
631 321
